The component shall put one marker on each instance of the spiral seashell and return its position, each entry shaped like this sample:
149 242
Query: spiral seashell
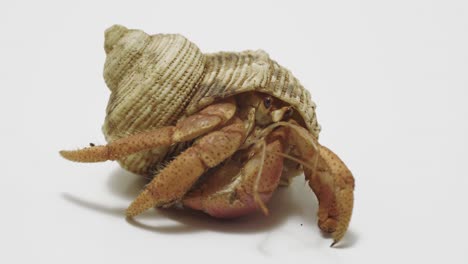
157 79
152 79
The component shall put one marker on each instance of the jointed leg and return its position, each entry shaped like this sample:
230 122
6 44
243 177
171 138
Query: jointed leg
229 191
193 126
333 184
175 180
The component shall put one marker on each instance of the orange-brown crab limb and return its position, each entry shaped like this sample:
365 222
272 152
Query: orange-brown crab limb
189 128
175 180
330 179
229 191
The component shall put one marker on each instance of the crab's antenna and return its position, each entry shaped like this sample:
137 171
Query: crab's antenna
303 163
257 198
313 142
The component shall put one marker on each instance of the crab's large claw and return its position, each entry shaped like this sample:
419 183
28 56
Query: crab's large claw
330 179
230 190
337 196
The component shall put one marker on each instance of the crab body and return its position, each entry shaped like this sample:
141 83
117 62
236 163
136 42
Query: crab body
231 128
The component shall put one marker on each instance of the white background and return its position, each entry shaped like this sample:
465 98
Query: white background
390 79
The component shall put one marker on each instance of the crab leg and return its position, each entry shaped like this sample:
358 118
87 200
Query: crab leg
331 181
176 179
189 128
230 190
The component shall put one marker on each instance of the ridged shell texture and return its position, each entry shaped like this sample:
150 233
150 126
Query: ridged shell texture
157 79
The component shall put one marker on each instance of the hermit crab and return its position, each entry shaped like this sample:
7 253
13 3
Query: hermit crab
215 132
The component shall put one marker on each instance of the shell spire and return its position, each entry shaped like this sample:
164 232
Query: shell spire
152 79
112 35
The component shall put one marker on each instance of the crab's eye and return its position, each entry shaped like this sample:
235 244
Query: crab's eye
267 102
288 113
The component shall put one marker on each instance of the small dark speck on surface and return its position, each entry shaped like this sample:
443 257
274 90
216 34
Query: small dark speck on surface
91 144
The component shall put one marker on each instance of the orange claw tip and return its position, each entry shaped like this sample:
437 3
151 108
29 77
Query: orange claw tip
90 154
338 235
65 154
72 155
143 202
129 214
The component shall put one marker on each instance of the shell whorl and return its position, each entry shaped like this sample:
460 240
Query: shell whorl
151 78
157 79
230 73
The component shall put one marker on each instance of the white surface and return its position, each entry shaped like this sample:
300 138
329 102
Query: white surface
391 83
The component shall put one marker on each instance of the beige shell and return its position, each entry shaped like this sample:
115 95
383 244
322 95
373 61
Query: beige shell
151 79
230 73
157 79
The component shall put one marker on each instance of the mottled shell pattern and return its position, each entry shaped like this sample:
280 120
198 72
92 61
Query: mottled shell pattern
157 79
